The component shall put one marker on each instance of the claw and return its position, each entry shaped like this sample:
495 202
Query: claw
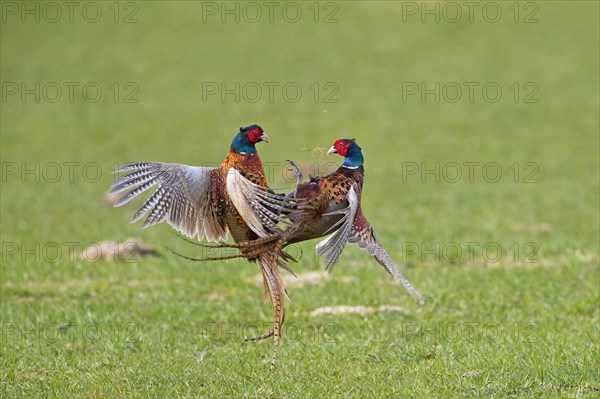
297 171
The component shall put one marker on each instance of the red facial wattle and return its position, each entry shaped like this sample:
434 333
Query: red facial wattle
341 147
254 135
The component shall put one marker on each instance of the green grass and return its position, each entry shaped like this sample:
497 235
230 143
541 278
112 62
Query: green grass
165 327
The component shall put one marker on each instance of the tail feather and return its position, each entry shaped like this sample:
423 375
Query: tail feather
274 286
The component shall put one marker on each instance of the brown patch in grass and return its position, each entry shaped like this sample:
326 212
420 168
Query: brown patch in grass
533 228
313 277
110 198
361 310
111 251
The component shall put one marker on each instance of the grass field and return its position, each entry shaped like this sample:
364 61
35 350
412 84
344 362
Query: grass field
489 199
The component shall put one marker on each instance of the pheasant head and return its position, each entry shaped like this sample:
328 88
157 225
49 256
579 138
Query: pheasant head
351 152
244 142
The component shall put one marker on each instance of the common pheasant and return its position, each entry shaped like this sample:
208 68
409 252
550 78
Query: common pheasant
210 201
331 205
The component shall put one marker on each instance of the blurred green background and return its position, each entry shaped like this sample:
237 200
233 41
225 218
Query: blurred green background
355 64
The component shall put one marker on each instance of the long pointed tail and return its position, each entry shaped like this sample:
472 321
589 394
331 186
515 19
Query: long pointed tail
274 287
386 261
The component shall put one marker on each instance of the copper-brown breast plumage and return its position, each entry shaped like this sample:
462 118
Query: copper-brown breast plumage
250 166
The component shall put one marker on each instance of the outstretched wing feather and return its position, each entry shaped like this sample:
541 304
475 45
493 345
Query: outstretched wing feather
331 247
362 234
255 204
183 197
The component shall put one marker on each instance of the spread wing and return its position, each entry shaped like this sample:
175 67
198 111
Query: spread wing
331 248
259 208
183 197
363 235
354 228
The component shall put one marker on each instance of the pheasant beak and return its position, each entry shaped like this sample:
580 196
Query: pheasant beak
332 150
264 138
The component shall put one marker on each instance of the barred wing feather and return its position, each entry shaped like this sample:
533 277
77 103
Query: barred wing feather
259 208
354 228
331 248
183 197
362 234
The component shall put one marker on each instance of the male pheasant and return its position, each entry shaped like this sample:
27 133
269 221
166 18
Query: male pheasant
331 205
209 201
